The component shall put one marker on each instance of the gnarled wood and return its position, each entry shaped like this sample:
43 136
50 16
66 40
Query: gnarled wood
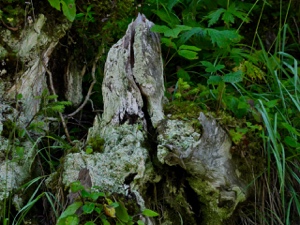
133 84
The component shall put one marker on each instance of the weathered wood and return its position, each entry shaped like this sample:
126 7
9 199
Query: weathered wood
133 83
133 94
73 81
32 50
213 175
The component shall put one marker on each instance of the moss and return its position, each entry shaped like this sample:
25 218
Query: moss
74 149
184 110
97 144
212 213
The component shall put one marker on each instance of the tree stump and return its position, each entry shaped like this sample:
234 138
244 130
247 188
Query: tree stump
164 161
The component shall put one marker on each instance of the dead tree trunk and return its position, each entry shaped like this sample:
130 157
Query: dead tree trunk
180 172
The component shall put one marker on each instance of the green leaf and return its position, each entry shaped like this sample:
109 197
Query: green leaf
76 186
223 38
290 128
169 17
219 67
290 141
90 223
237 136
140 222
207 64
181 73
80 15
272 103
171 4
121 213
55 4
243 105
21 133
72 220
238 13
160 29
214 16
210 68
99 209
69 9
214 80
114 204
19 96
188 54
168 43
88 207
184 37
96 195
85 194
71 210
175 32
228 17
189 47
149 213
234 77
20 151
105 222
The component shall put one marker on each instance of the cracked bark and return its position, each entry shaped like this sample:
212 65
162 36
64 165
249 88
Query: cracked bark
133 93
134 77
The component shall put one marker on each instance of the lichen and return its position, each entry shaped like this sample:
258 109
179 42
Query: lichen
175 133
14 168
123 155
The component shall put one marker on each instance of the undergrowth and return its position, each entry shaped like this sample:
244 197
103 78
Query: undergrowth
222 56
235 59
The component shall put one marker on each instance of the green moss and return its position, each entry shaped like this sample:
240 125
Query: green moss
212 213
97 144
184 110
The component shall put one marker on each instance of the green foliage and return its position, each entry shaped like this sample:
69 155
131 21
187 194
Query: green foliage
12 13
248 76
254 78
229 15
49 106
68 7
97 208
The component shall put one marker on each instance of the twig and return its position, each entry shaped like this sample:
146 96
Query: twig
8 27
87 97
55 99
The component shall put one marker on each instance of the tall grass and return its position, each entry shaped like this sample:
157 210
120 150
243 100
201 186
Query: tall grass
279 106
